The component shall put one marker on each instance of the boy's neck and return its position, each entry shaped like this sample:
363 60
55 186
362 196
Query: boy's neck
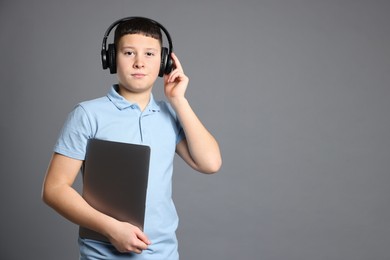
142 99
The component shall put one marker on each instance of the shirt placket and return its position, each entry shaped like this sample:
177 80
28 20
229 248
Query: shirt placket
144 130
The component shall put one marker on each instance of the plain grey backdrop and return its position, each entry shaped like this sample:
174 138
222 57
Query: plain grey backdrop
297 92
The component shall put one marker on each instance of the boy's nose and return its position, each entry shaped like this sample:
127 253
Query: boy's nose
138 63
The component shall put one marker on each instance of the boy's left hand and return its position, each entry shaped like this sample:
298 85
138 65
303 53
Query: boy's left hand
176 82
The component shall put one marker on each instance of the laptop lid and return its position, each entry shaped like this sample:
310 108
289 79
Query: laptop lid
115 177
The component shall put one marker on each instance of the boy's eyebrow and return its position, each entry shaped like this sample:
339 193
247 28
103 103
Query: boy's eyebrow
132 47
151 49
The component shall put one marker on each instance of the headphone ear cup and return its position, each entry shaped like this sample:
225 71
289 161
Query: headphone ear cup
163 64
111 58
104 59
169 64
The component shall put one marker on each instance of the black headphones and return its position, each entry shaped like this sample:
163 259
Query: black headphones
109 55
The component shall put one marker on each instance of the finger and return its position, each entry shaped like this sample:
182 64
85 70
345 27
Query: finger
173 76
176 61
139 247
137 251
141 236
177 78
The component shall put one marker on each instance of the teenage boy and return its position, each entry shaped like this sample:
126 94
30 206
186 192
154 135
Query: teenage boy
130 114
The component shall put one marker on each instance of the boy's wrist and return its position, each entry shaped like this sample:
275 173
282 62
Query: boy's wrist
178 101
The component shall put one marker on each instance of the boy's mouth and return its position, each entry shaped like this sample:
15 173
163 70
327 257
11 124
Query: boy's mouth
138 75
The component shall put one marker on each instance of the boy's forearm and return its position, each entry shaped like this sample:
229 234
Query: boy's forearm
69 203
202 146
59 194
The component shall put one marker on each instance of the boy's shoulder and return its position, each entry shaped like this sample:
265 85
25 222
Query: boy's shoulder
102 100
94 102
89 108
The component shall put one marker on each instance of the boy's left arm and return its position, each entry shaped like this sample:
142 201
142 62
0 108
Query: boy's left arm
199 149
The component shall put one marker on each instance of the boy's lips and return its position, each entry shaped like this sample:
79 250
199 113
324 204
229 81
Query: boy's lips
138 75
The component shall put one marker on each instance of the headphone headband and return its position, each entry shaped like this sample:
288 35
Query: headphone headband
107 55
109 29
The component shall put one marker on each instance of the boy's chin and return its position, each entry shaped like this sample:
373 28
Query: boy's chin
135 88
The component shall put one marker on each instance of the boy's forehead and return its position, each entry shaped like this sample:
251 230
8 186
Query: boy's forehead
139 39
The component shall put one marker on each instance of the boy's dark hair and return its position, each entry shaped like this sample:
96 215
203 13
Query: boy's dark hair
138 25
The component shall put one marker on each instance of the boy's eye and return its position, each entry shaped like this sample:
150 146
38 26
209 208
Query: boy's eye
129 53
150 54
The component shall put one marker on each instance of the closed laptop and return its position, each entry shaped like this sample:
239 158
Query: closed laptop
115 178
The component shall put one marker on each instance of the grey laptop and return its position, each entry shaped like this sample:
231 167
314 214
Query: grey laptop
115 177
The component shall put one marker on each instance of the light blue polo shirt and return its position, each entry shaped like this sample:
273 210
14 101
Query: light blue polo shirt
114 118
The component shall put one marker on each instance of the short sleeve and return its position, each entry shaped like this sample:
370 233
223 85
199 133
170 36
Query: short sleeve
180 135
73 138
179 129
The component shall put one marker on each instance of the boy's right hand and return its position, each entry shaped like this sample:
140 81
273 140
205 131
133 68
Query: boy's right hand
128 238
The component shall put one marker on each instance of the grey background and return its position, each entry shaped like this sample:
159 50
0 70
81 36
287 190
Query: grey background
297 93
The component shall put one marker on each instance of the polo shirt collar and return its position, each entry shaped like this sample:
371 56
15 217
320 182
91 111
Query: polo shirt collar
121 103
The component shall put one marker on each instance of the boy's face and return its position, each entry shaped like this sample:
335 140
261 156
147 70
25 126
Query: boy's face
138 62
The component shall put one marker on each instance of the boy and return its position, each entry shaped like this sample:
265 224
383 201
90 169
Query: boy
130 114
